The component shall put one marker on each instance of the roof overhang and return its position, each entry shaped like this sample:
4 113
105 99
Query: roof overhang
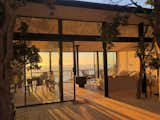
83 11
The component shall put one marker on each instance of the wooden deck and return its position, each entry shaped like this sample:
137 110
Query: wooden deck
91 105
41 94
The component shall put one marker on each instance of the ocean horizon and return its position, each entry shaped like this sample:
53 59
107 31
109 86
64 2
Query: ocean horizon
67 71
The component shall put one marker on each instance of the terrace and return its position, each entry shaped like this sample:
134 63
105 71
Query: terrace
92 105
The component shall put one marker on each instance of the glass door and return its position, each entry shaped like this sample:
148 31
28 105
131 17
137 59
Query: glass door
45 81
44 85
40 85
68 76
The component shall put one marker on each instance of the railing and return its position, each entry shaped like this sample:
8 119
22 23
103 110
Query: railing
68 74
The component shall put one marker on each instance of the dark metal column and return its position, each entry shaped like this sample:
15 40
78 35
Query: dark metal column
25 79
97 64
106 93
77 56
60 61
50 61
74 70
141 31
117 63
25 86
94 61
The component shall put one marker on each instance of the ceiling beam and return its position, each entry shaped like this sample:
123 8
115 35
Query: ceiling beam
55 37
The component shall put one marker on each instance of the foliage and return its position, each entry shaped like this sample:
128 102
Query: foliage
152 17
7 20
149 58
150 2
142 49
149 55
23 27
25 55
154 63
110 31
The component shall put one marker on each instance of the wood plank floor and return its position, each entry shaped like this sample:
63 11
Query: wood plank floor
91 105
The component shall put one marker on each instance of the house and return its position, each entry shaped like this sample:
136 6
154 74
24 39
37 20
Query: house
73 23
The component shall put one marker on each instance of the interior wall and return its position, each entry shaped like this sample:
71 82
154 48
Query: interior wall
128 63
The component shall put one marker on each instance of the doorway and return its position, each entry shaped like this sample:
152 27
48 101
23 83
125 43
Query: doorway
44 85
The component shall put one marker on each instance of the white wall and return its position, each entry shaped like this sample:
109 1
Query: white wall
128 62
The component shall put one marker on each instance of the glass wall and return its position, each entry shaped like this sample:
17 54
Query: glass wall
68 75
42 85
112 62
87 63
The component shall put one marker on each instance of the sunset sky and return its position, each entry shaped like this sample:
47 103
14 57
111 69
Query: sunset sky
86 60
119 2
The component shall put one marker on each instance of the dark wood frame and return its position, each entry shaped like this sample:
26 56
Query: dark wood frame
60 37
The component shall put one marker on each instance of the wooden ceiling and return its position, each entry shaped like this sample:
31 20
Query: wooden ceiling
83 46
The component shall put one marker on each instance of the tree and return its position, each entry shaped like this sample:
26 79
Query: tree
154 21
109 32
6 28
154 64
25 54
142 81
7 20
25 57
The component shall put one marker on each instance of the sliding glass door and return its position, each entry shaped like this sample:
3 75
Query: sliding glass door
68 76
40 85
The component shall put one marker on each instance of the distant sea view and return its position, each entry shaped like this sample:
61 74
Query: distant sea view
87 62
67 71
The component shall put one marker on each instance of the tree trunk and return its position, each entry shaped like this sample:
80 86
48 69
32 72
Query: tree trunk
6 30
139 84
144 83
4 81
157 35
